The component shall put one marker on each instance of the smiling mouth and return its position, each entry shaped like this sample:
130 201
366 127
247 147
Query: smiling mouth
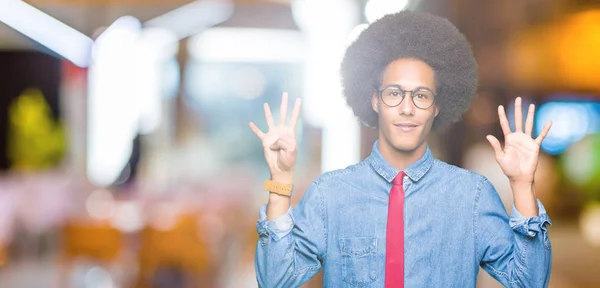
406 127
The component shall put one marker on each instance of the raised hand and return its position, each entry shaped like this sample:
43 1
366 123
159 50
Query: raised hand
279 142
519 158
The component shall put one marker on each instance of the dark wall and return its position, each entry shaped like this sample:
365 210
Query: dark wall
20 70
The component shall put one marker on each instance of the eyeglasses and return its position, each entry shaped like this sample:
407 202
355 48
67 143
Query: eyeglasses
392 96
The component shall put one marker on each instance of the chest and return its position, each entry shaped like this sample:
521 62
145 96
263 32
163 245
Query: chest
436 224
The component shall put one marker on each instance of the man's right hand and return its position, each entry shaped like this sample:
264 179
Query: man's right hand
279 142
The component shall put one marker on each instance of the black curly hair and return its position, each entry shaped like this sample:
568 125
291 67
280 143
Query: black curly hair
416 35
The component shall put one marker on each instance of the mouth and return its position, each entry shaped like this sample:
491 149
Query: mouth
406 127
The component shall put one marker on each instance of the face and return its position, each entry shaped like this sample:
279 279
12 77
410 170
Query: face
405 127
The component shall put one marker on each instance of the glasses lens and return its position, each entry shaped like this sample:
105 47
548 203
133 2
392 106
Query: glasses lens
392 96
423 98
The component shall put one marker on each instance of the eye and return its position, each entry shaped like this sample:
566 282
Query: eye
423 95
392 93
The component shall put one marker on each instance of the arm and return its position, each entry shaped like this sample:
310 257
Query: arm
514 251
518 255
291 248
291 245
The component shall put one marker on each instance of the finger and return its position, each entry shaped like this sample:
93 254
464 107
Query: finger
503 121
529 121
268 116
496 145
518 115
284 145
295 113
542 135
257 131
283 109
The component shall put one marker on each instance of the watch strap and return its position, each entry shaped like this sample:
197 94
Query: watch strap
278 188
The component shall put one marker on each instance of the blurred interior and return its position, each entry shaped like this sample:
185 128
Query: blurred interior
125 154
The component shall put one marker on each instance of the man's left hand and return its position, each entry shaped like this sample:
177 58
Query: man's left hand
519 158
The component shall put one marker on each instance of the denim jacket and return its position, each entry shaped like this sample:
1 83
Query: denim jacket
454 222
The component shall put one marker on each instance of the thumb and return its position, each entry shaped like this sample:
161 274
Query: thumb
496 145
284 145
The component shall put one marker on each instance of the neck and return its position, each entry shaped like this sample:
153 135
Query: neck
400 159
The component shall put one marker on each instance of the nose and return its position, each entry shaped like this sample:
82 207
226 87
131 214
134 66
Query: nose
407 107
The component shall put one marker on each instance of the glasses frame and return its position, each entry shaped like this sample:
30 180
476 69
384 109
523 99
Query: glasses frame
412 93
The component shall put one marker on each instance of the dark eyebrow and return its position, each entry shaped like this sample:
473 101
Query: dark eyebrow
400 87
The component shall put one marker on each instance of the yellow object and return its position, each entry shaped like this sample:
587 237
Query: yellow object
560 55
35 140
95 240
278 188
3 257
179 246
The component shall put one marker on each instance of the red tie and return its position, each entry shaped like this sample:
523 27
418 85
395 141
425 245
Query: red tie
394 253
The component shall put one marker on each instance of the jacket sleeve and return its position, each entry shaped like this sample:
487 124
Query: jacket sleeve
515 251
291 249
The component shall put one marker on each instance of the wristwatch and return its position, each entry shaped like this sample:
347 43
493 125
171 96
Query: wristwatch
278 188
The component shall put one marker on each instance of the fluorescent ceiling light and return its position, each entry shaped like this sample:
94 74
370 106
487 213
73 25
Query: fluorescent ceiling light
46 30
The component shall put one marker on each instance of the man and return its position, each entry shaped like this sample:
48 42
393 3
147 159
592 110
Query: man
401 218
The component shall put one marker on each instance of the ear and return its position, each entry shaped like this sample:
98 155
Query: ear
375 103
436 110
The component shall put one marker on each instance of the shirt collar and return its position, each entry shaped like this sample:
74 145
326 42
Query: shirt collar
415 170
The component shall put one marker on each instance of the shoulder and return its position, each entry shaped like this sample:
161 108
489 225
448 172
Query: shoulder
343 174
468 180
352 177
330 181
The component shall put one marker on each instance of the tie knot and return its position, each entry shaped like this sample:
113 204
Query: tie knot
398 179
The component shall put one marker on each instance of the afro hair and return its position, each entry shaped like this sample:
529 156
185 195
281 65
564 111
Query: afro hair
415 35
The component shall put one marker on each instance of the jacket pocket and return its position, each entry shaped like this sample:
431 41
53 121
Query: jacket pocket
359 263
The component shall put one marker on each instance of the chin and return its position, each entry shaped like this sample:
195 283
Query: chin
406 143
403 142
405 146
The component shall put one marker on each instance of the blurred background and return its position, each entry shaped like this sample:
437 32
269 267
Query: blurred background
126 159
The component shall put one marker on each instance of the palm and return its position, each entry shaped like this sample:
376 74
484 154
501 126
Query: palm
279 160
279 142
520 155
519 158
